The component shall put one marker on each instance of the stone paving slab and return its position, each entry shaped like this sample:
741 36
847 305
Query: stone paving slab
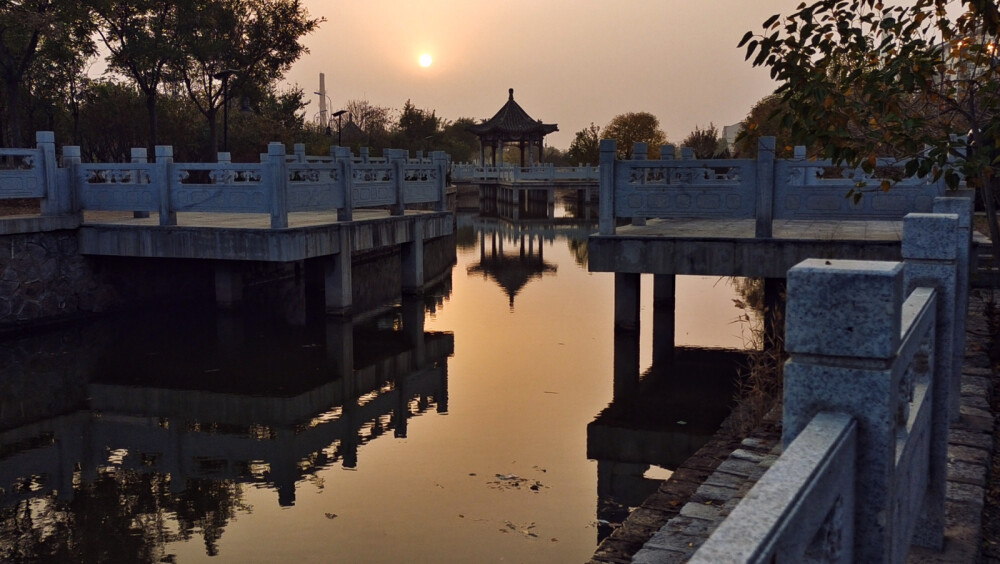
969 453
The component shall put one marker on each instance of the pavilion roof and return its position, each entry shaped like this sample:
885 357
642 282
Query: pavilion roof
512 122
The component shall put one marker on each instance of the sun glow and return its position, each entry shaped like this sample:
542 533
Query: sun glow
425 60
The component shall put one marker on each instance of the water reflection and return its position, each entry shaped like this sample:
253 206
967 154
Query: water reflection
185 434
660 420
147 430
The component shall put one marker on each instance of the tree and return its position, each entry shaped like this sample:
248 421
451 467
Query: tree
861 79
239 42
416 128
373 120
460 143
586 146
704 142
28 28
141 39
635 127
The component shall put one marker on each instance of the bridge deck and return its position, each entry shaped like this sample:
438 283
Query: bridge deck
729 248
242 236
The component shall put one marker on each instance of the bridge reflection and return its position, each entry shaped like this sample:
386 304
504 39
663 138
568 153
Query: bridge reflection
225 401
657 420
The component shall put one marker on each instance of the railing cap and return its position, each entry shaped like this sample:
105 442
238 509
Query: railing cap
826 300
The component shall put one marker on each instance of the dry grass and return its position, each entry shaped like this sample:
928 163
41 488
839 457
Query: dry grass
759 384
22 206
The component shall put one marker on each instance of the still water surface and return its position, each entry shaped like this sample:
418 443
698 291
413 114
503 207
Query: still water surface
460 436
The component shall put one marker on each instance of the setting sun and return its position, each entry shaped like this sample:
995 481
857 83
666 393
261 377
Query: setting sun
425 60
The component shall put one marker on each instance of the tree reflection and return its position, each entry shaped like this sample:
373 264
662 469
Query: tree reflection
131 509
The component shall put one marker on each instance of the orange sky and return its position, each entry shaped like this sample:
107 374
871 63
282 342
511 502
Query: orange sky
570 62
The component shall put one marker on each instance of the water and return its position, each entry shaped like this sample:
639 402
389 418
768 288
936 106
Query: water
190 436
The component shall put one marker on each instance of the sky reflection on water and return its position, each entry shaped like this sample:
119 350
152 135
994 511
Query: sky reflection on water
462 436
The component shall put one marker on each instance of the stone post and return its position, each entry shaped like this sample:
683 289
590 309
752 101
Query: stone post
346 163
962 206
278 178
299 150
57 200
843 333
606 190
139 156
440 161
364 152
930 249
71 172
164 178
639 152
397 161
765 187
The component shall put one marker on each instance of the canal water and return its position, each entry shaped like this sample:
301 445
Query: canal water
479 423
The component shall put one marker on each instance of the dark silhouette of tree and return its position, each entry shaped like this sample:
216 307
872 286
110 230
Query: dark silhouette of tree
140 36
29 28
586 146
239 42
704 142
635 127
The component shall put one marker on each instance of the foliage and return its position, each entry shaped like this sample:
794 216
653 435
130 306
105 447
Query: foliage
635 127
416 129
57 31
704 142
141 39
862 79
764 120
242 42
586 146
456 140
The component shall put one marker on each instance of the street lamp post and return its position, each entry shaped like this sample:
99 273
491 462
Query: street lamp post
224 77
338 114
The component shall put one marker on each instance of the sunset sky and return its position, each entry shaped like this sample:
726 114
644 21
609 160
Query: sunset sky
570 62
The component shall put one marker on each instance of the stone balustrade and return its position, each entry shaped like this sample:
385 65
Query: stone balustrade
869 390
545 172
278 185
764 189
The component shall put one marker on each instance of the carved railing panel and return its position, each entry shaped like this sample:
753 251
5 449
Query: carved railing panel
20 176
664 189
421 183
373 185
806 189
220 188
315 187
117 187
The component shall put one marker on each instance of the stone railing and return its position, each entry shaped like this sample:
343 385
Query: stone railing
763 189
464 172
277 185
869 390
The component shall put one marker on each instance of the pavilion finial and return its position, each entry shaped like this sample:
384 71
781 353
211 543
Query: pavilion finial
511 92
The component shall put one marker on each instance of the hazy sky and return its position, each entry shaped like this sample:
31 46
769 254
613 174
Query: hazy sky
570 62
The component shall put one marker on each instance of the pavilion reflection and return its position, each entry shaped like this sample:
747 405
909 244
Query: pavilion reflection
185 411
512 254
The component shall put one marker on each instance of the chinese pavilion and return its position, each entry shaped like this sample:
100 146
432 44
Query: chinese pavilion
510 126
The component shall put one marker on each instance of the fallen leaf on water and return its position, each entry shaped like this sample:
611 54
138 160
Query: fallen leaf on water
331 515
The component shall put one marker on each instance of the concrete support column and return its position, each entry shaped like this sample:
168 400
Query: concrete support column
626 301
626 364
337 277
228 284
664 306
412 261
